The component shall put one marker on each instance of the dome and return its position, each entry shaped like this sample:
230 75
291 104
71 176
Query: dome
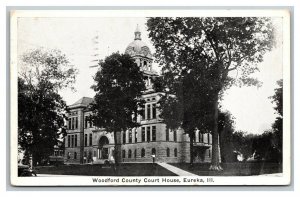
138 47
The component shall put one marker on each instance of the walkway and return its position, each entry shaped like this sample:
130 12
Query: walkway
176 170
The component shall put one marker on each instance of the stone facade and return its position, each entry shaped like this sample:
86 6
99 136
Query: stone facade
87 144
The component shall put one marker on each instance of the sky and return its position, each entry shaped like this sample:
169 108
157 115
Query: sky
250 106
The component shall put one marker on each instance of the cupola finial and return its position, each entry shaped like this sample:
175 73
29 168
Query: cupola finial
137 33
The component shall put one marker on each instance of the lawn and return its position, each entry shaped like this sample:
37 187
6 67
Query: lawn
125 169
233 169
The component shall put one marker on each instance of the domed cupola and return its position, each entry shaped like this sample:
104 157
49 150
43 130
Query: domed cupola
138 47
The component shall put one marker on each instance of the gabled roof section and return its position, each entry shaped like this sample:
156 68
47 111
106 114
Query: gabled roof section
83 102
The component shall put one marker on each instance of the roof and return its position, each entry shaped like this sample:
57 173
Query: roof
83 102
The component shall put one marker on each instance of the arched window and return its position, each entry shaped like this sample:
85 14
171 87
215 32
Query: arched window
130 136
175 136
75 155
103 141
123 153
129 153
124 137
168 152
167 134
153 152
175 152
143 152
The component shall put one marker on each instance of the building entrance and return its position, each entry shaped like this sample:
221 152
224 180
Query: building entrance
104 152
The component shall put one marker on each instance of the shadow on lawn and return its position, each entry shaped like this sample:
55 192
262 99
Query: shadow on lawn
125 169
232 169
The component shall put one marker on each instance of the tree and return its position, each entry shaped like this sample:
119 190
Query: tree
278 125
118 85
226 130
215 46
256 146
185 104
264 147
40 108
243 143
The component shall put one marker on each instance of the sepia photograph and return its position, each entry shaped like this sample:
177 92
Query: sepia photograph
150 97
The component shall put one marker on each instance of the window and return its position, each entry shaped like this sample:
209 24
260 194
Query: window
72 140
70 123
91 122
95 154
153 111
76 122
124 137
153 133
123 153
167 134
75 155
153 151
175 136
143 134
209 154
85 139
73 121
130 136
148 134
135 153
91 139
143 112
208 140
148 111
135 136
69 143
175 152
85 122
168 152
76 140
68 155
200 138
143 152
129 153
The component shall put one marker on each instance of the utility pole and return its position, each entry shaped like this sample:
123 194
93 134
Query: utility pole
96 54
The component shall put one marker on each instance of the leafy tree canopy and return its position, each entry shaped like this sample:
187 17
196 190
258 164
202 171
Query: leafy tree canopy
118 86
47 65
277 98
217 44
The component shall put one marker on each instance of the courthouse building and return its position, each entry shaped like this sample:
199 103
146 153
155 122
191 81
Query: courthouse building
86 143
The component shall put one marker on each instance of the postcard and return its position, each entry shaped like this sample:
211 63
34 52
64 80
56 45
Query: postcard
150 97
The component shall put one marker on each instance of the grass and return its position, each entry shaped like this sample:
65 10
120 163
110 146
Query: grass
232 169
125 169
149 169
